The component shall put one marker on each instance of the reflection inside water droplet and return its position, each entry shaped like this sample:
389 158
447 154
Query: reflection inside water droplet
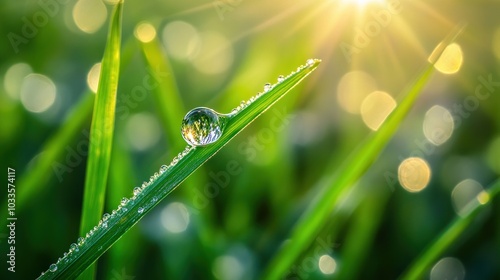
53 268
202 126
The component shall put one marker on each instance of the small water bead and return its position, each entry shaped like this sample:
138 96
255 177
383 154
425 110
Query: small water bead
281 78
163 168
124 201
140 210
137 190
105 216
201 126
310 62
73 247
80 241
53 268
267 87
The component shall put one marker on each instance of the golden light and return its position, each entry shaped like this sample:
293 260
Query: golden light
414 174
362 2
93 77
145 32
375 108
449 59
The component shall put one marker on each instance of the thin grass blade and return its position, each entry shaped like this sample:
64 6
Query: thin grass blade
101 131
353 168
146 197
451 234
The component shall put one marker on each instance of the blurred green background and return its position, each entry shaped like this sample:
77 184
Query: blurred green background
229 223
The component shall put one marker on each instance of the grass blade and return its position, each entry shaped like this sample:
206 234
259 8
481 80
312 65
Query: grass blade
449 236
145 198
101 131
352 169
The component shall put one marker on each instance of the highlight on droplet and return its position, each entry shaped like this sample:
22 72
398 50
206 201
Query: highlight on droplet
438 125
449 61
93 77
375 108
465 196
414 174
145 32
89 15
448 268
175 217
352 89
202 126
38 93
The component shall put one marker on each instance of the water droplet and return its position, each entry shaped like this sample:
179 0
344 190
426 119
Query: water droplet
53 268
155 199
137 190
140 210
310 62
105 216
281 78
80 241
267 87
163 168
124 201
201 126
105 224
73 247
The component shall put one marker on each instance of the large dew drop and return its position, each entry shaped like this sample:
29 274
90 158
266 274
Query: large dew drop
201 126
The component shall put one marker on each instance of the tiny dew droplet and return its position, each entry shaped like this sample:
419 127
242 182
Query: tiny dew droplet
163 168
140 210
267 87
281 78
201 126
137 190
124 201
310 62
53 268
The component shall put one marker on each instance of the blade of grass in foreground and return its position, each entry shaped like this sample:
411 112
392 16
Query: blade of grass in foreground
101 130
146 197
351 170
451 234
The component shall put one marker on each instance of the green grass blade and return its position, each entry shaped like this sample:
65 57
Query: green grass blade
450 235
145 198
351 170
101 131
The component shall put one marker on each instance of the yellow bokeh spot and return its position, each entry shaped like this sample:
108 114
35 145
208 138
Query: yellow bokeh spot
483 197
145 32
375 109
89 15
352 89
448 60
414 174
93 77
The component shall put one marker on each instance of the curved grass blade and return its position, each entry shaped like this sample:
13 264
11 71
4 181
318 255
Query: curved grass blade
448 237
146 197
347 174
101 130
